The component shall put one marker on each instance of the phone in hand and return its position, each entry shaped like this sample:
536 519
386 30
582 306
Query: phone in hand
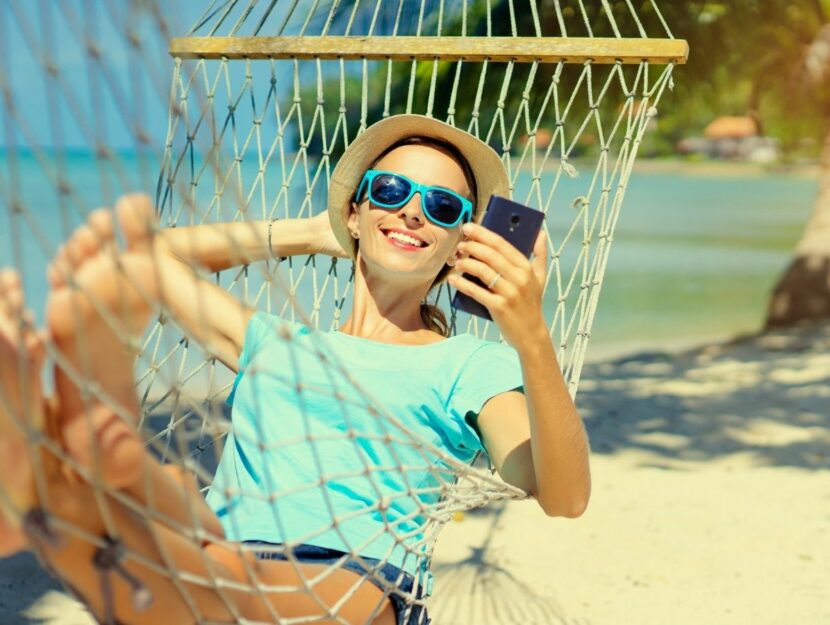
519 225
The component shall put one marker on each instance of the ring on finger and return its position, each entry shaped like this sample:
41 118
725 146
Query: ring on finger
493 282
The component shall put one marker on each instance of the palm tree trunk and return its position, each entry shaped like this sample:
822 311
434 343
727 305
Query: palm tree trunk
803 293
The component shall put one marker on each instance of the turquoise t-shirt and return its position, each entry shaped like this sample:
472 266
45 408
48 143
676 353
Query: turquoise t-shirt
309 454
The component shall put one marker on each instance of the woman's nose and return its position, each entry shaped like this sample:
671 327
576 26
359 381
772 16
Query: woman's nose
413 209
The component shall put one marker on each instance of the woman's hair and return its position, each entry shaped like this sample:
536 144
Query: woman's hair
432 316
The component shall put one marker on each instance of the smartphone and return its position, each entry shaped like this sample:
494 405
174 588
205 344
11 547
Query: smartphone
519 225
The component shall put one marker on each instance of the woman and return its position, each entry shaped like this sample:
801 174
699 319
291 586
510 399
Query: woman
401 201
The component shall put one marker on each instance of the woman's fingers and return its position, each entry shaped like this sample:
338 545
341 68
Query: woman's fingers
501 283
539 260
482 295
492 258
480 234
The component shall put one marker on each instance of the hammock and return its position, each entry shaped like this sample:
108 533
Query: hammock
264 97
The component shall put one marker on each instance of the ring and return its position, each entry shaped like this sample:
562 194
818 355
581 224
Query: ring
494 281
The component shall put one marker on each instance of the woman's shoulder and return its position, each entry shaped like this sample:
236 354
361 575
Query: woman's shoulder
489 360
264 329
264 324
486 347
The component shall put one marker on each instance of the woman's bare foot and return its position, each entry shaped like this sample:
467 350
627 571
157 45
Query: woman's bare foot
99 305
101 300
21 406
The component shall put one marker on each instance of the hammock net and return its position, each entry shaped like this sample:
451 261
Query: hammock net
242 118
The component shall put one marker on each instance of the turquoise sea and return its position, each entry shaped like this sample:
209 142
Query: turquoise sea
696 256
694 259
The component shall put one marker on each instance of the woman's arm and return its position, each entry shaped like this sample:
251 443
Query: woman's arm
206 312
220 246
537 441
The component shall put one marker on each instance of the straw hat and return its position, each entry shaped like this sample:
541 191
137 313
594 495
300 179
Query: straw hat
488 170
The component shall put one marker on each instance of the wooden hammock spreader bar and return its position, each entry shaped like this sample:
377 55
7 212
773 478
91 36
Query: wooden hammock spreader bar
521 49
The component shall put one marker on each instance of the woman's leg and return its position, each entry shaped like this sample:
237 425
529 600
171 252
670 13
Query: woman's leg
188 579
21 403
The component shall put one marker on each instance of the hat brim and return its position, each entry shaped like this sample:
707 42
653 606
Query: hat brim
488 170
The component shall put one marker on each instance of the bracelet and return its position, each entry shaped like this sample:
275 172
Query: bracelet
270 248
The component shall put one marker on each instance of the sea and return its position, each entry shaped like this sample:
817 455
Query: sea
696 252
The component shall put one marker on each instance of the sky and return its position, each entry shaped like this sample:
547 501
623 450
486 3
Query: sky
85 101
87 72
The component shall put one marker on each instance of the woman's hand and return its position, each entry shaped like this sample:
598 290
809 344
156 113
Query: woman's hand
515 300
325 241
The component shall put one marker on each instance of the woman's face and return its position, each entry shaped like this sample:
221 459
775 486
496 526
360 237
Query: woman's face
374 225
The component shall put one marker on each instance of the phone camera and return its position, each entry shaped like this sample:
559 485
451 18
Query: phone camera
514 219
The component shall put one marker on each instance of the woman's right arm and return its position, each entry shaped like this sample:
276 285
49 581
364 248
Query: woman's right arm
216 247
205 311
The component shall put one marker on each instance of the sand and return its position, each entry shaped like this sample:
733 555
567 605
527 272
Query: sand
710 504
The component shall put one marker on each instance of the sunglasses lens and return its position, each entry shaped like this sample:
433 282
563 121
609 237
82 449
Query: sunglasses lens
443 207
389 190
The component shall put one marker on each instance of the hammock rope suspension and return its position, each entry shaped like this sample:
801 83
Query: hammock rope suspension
264 97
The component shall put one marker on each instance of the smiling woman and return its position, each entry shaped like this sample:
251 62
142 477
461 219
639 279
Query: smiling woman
365 521
310 485
443 205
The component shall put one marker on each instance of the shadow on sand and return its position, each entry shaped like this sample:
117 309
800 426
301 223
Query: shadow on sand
480 589
765 395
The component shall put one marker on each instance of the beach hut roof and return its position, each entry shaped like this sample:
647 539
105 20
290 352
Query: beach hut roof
731 127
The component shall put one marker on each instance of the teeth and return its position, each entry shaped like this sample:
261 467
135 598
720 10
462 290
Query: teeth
404 238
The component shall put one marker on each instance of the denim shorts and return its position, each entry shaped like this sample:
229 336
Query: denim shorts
406 613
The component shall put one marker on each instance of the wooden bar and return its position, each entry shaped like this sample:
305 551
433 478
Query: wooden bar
521 49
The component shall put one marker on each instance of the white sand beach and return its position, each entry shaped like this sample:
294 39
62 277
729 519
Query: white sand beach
710 504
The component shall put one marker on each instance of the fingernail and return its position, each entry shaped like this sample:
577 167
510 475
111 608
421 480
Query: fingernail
467 228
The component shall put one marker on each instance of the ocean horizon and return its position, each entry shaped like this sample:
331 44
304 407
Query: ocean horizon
694 259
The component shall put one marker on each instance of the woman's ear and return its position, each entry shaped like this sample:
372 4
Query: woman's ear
456 256
352 221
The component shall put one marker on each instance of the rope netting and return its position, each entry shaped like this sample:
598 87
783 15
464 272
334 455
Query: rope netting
94 107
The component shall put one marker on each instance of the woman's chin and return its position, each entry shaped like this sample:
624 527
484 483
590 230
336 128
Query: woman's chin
392 264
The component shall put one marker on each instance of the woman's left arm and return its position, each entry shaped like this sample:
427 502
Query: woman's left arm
536 441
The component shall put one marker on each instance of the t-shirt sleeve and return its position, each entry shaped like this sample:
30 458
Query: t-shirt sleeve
261 327
494 368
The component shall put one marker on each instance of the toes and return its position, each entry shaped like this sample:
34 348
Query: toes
58 270
83 244
86 241
16 322
9 279
34 343
11 292
137 218
100 220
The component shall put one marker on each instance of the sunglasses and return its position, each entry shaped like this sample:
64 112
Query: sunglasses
389 190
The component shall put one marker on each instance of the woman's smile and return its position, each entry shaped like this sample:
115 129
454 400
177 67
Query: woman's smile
404 239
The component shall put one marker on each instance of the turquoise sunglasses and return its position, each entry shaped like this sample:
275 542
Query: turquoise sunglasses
390 190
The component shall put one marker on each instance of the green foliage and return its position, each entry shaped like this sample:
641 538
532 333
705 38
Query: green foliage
749 56
746 56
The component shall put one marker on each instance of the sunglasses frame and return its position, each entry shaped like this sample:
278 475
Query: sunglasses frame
414 187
